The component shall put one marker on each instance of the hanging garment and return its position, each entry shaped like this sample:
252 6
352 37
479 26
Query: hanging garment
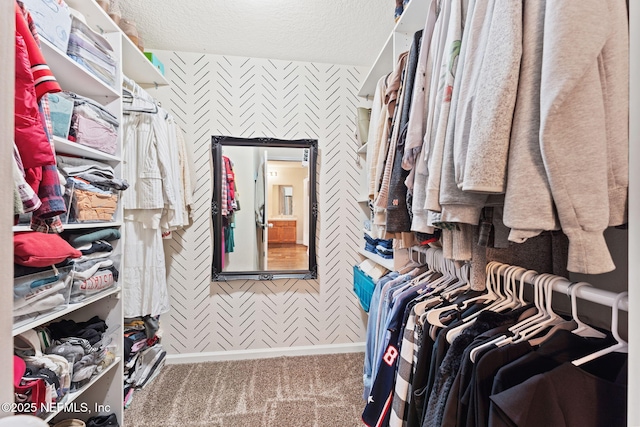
543 400
33 80
398 219
145 283
544 172
144 273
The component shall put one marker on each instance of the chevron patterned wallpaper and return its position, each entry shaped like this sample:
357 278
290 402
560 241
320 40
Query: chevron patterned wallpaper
248 97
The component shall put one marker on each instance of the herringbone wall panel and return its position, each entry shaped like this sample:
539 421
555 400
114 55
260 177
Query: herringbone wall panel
249 97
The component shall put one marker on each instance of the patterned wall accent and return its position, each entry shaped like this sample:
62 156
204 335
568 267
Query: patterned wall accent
248 97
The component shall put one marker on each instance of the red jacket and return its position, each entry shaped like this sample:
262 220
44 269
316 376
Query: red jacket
33 80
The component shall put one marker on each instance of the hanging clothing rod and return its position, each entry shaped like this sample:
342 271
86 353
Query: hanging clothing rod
588 293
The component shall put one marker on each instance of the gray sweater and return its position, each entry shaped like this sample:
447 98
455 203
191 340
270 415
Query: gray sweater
575 163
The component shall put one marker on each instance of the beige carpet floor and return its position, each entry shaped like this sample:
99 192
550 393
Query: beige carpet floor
309 391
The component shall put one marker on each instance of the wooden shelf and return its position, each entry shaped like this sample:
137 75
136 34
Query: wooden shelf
64 146
74 395
25 325
75 78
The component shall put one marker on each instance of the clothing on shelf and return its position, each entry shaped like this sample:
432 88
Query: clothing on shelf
475 119
441 354
52 360
92 51
144 355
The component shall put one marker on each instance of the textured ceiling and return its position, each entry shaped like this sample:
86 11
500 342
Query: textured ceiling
349 32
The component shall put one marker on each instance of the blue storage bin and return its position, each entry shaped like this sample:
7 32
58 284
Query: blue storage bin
363 287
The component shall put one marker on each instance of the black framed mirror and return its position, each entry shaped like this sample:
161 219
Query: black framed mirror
264 208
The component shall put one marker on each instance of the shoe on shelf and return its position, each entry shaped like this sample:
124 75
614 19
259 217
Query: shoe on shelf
103 421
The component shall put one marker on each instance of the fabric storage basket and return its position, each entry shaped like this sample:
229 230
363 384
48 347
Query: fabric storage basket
363 287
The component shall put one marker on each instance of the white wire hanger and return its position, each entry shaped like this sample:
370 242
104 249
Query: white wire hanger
621 346
582 329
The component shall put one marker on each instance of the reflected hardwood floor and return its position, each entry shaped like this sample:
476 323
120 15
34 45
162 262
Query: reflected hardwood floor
287 256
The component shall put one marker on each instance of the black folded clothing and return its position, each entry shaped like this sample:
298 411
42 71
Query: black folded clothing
91 330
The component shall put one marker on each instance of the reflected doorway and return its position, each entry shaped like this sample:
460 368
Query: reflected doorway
287 212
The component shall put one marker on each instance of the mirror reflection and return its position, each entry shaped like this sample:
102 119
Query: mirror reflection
265 210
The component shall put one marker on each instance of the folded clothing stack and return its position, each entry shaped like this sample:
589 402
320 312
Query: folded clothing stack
384 253
96 173
41 288
381 247
370 243
92 51
92 124
90 203
95 271
82 344
91 189
41 292
54 359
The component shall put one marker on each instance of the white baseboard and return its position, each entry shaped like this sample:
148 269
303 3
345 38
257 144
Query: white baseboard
264 353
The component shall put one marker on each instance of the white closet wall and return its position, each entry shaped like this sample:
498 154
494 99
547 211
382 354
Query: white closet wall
248 97
634 216
7 54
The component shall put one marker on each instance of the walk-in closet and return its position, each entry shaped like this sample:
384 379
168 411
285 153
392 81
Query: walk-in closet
381 213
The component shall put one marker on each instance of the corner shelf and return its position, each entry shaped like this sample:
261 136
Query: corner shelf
386 263
136 66
412 20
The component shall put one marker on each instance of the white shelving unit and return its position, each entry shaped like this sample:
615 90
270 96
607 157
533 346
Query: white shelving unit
412 20
399 41
107 304
104 392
